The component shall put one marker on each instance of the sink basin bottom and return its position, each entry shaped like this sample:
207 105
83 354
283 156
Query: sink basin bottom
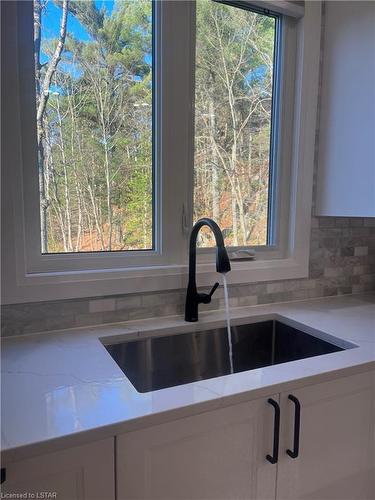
160 362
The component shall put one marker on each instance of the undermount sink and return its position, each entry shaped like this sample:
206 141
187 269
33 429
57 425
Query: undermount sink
161 362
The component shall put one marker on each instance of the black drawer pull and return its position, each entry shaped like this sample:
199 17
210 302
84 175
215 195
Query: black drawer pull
276 433
297 425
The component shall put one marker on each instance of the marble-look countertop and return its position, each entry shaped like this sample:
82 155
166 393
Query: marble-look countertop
63 389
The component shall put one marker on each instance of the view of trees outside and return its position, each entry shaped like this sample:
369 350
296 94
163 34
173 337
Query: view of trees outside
233 102
93 67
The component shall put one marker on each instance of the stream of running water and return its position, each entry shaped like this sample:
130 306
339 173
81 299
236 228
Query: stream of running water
226 301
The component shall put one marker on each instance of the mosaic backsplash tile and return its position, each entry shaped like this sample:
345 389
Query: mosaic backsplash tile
342 261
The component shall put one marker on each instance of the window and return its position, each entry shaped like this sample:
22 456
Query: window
112 164
235 110
93 75
93 80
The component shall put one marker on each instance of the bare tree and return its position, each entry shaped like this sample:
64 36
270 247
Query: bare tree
42 90
229 42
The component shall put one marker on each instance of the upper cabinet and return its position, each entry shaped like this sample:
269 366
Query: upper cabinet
346 169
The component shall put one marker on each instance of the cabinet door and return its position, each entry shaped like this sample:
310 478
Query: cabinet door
80 473
336 456
214 455
346 173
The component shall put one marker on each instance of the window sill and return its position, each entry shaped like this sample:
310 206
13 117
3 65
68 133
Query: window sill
74 284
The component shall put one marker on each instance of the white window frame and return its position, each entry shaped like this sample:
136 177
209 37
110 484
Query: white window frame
29 276
166 248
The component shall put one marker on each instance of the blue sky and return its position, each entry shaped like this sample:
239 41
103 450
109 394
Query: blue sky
51 26
52 16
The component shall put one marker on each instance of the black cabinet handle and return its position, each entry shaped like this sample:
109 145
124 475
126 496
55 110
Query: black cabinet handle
297 425
3 475
276 433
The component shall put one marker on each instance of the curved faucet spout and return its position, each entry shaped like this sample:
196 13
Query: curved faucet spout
193 298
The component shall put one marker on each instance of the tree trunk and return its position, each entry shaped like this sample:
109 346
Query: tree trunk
42 91
234 219
215 174
68 222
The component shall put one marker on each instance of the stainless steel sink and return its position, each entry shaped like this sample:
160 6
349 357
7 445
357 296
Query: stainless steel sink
160 362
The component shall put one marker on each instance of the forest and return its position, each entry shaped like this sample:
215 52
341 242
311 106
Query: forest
93 81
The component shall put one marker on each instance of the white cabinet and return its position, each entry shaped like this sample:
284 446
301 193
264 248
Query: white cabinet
346 167
214 455
336 455
222 454
80 473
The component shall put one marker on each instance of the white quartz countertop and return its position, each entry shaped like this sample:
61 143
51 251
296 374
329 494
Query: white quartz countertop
62 388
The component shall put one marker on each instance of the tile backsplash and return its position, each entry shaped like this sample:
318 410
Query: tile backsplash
342 261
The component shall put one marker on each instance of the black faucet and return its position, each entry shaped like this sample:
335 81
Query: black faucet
193 298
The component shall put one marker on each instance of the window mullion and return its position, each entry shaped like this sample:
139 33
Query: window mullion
177 124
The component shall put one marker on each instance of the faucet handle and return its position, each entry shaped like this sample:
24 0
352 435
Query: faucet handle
213 289
205 298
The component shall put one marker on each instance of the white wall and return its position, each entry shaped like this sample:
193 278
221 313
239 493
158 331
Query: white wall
346 172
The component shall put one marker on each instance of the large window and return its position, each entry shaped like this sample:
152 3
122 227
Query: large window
108 162
236 59
93 72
